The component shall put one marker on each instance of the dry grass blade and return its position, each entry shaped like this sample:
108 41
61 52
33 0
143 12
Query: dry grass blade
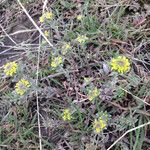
7 34
30 18
133 129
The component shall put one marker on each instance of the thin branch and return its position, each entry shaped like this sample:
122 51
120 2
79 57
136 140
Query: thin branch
37 72
7 35
37 100
44 5
140 126
58 74
36 26
135 96
18 32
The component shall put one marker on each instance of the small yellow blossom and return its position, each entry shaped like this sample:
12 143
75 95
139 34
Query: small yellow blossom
65 48
87 80
99 125
120 64
22 86
10 68
79 17
93 93
82 39
42 19
66 115
49 15
46 33
56 61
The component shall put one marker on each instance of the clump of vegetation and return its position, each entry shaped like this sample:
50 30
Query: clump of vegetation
76 76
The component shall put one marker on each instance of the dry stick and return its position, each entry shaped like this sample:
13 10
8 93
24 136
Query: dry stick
18 32
58 74
118 106
127 109
135 96
37 98
25 11
7 35
140 126
44 5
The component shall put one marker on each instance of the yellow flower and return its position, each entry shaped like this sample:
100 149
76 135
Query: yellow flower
46 33
79 17
87 80
120 64
65 48
66 115
49 15
99 124
82 39
42 19
93 93
56 61
10 68
22 86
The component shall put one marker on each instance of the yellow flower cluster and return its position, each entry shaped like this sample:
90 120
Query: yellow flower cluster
22 86
47 15
93 93
79 17
10 68
65 48
120 64
56 61
82 39
46 33
66 115
99 124
87 80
